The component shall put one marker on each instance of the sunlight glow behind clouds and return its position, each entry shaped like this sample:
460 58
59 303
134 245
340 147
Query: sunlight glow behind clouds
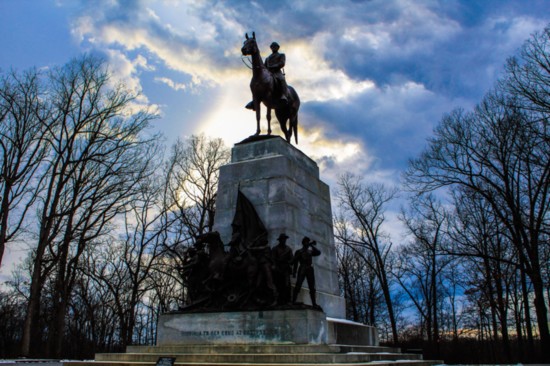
315 79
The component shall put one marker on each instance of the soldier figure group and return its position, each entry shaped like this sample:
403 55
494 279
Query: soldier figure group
268 272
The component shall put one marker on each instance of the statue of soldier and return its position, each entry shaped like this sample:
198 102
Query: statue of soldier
236 248
303 265
261 252
275 63
282 259
189 272
195 271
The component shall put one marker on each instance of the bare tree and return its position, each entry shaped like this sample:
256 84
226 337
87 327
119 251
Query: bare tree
364 205
423 261
501 153
99 154
358 282
12 315
480 237
192 181
95 321
527 77
23 118
492 153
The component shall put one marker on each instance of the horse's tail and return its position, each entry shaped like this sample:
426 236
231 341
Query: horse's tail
294 116
295 128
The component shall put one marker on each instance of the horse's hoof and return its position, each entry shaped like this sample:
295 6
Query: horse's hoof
257 133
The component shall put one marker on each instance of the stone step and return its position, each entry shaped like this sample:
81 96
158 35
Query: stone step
256 348
300 358
377 363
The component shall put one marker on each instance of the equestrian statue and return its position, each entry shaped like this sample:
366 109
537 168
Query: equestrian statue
268 86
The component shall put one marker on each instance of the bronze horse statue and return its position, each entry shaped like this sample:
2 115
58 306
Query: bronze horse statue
263 89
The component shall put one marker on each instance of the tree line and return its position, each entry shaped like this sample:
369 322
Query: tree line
101 208
474 271
105 212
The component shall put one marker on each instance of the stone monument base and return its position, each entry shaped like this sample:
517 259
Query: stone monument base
300 326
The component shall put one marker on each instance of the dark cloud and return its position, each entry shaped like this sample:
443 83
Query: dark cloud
392 122
451 47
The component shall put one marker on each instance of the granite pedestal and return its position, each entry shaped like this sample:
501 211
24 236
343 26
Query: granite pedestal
283 185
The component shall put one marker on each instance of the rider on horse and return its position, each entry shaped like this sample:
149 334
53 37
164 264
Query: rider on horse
275 63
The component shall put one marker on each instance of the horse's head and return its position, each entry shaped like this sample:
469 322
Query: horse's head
250 46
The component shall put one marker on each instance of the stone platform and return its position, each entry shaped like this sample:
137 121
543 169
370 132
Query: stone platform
263 338
258 355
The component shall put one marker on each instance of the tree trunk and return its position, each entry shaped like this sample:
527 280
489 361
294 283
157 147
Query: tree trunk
503 314
387 298
434 303
542 317
30 327
4 220
57 325
527 309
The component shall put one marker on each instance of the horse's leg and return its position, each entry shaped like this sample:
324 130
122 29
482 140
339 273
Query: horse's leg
257 106
268 116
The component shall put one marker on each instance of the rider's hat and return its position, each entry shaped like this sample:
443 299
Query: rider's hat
283 236
274 44
305 240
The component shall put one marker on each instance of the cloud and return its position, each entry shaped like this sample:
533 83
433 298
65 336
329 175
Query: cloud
314 77
203 39
127 72
205 50
171 83
378 75
390 122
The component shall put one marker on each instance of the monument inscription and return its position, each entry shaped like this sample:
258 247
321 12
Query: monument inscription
276 326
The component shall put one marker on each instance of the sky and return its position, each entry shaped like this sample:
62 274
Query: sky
374 76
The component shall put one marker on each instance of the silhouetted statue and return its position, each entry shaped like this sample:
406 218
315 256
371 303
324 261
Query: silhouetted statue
275 64
282 259
241 279
268 86
189 270
303 266
266 292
